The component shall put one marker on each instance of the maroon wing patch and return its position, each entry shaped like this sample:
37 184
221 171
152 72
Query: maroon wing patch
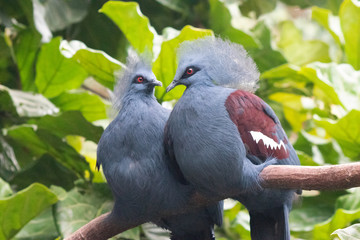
258 130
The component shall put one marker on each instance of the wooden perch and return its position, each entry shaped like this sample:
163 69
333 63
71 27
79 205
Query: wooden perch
333 177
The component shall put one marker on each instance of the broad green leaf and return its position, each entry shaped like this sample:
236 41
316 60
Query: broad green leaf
26 47
8 161
349 233
349 201
324 91
350 24
22 104
312 211
341 219
69 123
98 32
135 26
23 206
283 71
40 228
56 73
97 63
294 111
220 22
346 132
38 19
46 170
264 56
332 5
61 14
90 105
165 65
258 7
298 51
337 79
5 190
5 62
82 204
38 142
322 150
331 23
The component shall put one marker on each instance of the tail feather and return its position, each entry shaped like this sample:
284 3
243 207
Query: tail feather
272 225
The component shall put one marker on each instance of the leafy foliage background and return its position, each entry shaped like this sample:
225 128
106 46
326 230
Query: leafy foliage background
58 64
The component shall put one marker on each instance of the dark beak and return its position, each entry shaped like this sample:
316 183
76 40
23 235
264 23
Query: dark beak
173 84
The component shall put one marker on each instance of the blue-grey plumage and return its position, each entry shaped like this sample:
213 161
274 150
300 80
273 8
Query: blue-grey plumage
131 152
221 138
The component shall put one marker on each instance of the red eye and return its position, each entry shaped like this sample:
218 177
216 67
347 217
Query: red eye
189 71
140 79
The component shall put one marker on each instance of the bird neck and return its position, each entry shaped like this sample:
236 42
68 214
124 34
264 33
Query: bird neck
138 98
200 85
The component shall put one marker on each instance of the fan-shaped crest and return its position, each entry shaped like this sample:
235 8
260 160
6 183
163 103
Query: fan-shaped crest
227 63
134 63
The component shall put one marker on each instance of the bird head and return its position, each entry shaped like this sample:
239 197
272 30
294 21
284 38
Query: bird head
212 60
136 78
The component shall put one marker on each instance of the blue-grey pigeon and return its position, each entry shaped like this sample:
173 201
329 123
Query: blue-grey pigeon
131 152
221 135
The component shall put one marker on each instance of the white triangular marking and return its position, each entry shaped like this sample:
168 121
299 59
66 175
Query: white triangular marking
268 142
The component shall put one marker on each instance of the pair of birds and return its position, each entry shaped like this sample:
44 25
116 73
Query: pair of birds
215 142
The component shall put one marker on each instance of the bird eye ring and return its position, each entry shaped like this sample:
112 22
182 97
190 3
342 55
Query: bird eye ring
140 79
190 71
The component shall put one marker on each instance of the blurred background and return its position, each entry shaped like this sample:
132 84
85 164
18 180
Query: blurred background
58 64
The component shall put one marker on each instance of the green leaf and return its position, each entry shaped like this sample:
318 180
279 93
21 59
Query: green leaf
56 73
22 104
8 161
165 65
35 143
93 33
69 123
135 26
23 206
294 111
298 51
331 23
350 24
40 228
81 205
47 171
97 63
220 22
90 105
264 56
258 7
312 211
349 233
346 132
341 218
337 79
61 14
5 189
332 5
26 47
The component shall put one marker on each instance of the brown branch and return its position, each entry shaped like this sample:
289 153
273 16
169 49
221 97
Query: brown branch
333 177
102 228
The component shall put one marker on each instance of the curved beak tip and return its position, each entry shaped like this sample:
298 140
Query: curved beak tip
171 86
